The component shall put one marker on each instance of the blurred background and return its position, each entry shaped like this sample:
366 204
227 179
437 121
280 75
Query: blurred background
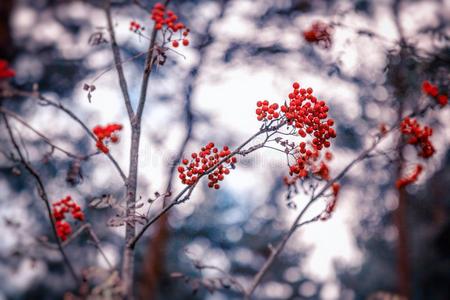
241 51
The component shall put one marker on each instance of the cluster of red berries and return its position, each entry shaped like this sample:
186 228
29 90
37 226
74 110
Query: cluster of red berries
433 91
310 117
166 17
5 71
323 171
60 209
205 160
106 133
331 206
319 33
411 178
136 27
418 136
266 111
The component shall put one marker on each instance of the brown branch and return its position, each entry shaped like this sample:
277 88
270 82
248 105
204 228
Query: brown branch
118 61
43 194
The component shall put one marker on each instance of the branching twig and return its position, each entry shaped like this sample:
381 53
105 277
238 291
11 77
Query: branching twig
45 101
46 139
295 225
132 180
88 228
181 197
43 194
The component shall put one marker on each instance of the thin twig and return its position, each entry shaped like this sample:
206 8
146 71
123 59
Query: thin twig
45 101
85 227
180 197
295 225
43 194
118 61
46 139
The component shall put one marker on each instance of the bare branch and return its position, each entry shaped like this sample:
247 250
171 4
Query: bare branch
181 197
87 227
147 71
45 101
295 225
118 61
46 139
43 194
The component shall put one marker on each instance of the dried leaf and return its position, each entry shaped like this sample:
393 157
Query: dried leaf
116 221
102 202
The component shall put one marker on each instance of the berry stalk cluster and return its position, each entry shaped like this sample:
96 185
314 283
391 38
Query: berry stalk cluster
105 134
166 19
60 209
5 71
433 91
319 33
206 159
418 136
331 206
409 179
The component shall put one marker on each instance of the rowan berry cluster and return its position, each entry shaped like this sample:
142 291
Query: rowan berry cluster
411 178
136 27
203 162
105 134
319 33
418 136
323 171
5 71
166 18
433 91
266 111
331 206
60 209
310 117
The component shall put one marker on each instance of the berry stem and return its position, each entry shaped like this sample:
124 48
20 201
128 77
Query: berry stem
118 61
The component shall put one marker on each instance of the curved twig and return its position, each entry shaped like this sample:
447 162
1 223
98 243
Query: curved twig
43 194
